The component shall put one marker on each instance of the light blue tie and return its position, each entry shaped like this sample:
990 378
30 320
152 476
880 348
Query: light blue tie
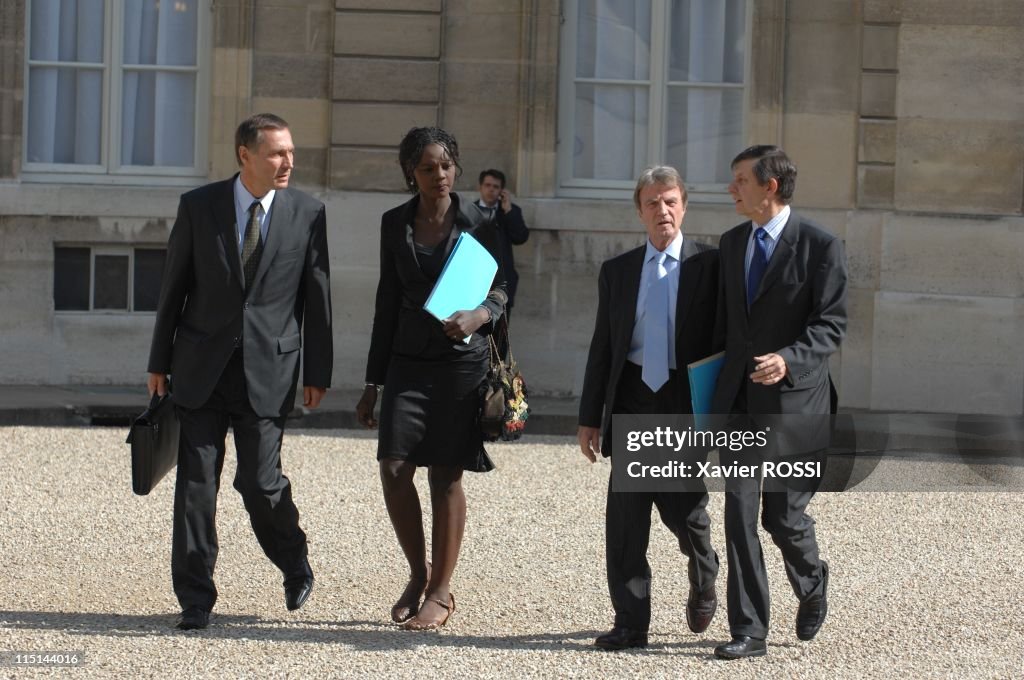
656 330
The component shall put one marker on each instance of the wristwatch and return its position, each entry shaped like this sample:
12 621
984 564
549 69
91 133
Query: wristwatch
376 387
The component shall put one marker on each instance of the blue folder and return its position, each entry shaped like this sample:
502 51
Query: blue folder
465 280
703 376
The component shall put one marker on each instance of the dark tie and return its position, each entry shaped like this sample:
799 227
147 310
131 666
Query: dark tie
758 263
252 245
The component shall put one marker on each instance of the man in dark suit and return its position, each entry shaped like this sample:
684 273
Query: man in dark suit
655 314
782 313
246 277
496 203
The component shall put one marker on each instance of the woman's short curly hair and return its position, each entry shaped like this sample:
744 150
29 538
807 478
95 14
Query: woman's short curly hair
411 150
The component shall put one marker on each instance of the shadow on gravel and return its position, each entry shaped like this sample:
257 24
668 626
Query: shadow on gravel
369 636
91 623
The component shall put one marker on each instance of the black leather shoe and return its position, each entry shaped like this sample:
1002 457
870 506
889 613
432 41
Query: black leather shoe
296 593
194 618
700 609
741 647
812 611
621 638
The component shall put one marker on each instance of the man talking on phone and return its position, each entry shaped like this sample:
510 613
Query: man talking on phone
496 202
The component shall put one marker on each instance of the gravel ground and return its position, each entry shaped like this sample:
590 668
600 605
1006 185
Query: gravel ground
923 584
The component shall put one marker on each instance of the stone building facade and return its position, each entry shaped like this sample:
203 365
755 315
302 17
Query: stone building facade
905 118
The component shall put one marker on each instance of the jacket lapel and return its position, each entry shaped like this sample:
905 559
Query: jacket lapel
736 262
282 212
224 218
781 255
404 246
634 267
689 274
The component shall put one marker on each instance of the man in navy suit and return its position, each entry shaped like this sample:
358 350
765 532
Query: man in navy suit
782 313
245 291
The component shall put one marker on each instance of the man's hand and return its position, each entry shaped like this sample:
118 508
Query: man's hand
506 201
590 441
311 396
462 324
157 384
770 369
364 409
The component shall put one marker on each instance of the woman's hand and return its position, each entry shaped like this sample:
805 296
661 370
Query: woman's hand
364 409
464 323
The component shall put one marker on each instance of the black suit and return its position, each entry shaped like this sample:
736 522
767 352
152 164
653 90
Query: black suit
613 385
401 325
512 230
429 412
799 312
233 357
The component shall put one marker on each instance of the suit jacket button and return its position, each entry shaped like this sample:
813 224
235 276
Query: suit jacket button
245 305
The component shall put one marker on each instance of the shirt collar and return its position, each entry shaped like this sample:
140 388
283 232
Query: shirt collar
243 199
480 202
673 250
775 225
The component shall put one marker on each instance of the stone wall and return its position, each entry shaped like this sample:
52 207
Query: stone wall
905 117
942 147
272 56
12 61
387 78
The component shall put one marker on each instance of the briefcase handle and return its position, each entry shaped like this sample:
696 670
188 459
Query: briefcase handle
156 399
145 417
154 403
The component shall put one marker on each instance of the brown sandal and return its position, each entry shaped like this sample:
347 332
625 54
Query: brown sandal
415 624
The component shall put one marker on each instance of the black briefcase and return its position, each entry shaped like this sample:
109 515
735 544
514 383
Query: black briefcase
154 440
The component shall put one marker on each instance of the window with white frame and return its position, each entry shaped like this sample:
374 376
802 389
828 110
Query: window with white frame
646 82
116 87
110 278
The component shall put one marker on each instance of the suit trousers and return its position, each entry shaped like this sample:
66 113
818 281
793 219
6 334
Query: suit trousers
784 517
628 518
266 492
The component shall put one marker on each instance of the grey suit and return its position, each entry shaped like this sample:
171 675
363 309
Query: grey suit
799 312
233 356
204 311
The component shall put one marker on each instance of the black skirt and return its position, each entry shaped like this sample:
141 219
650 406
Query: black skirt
430 411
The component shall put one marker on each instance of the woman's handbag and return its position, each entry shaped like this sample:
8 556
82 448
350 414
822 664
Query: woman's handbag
504 410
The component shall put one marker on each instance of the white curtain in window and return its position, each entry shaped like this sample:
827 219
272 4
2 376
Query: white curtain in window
65 102
158 106
613 43
704 111
703 128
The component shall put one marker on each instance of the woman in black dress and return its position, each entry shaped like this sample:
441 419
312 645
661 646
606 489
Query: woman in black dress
431 379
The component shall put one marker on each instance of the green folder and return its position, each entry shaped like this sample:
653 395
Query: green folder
703 376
